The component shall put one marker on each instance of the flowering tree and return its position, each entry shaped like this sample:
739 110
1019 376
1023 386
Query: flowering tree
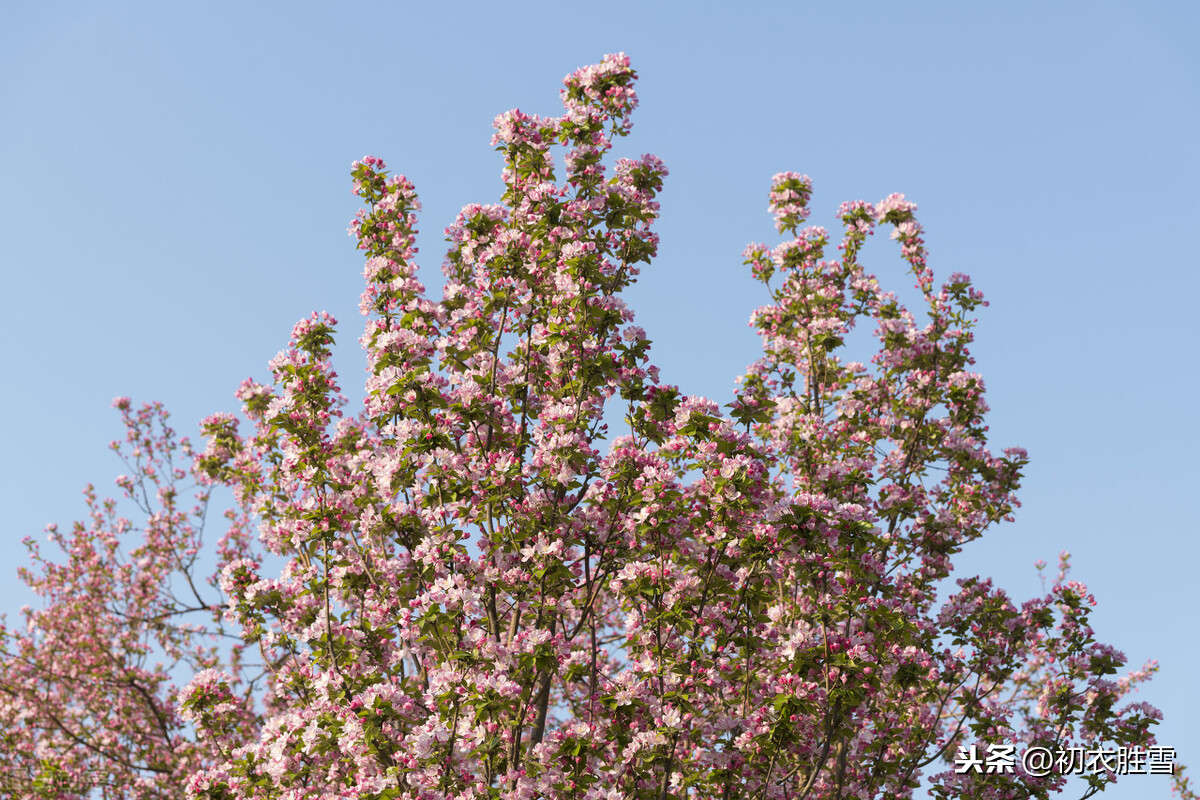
476 600
81 703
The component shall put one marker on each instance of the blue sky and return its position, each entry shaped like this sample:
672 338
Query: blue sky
175 196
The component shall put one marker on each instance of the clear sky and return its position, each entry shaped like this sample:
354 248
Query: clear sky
175 195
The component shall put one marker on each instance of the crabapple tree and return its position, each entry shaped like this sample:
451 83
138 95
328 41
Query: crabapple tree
486 592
